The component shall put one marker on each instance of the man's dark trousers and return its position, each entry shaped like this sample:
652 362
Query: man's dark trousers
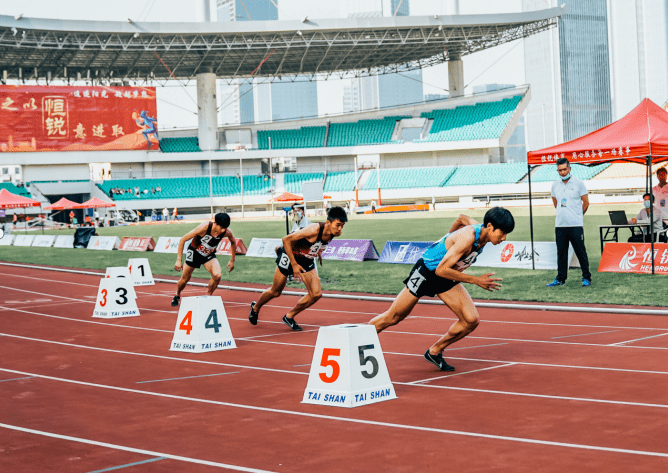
574 235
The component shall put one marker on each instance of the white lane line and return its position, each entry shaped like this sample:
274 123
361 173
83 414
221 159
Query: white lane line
540 396
426 380
444 319
131 449
15 379
638 339
477 346
151 356
185 377
274 334
584 334
345 419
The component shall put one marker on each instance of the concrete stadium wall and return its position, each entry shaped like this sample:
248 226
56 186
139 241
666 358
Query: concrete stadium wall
55 172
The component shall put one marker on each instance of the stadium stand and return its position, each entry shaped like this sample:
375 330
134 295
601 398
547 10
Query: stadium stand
409 177
180 145
186 187
549 173
340 181
293 182
485 120
304 137
626 170
363 132
14 190
504 173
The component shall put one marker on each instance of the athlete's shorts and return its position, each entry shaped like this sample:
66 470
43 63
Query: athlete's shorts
195 260
284 266
424 282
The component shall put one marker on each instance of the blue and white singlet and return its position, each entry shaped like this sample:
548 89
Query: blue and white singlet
437 251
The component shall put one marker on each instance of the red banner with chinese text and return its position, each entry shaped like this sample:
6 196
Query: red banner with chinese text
65 118
634 258
137 244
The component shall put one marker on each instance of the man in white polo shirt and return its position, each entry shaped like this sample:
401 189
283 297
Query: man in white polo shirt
569 196
660 192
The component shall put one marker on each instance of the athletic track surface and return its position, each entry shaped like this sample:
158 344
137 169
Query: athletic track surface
533 390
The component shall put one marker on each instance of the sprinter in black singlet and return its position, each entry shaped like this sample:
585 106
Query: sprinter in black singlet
202 251
297 257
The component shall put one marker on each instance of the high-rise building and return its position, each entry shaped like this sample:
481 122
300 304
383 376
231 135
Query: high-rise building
638 37
241 107
568 70
385 90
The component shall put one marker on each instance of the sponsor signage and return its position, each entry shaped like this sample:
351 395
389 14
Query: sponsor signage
225 247
517 254
7 240
169 245
77 118
24 240
634 258
263 247
403 252
44 240
137 244
103 243
64 241
350 250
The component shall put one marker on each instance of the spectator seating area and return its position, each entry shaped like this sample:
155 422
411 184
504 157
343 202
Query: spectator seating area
363 132
180 145
293 182
14 190
486 174
549 173
401 178
409 177
626 170
481 121
304 137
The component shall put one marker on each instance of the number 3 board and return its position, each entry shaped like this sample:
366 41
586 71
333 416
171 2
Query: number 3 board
115 299
202 326
348 368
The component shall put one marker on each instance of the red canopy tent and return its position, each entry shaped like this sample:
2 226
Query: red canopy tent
289 196
63 204
96 203
640 136
13 201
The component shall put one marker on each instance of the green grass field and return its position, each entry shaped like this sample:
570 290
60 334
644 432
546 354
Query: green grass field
372 277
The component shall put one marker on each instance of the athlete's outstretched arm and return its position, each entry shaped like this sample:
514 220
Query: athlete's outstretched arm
199 230
310 233
461 222
461 246
233 249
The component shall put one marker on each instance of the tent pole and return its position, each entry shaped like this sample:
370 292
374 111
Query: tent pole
533 262
651 209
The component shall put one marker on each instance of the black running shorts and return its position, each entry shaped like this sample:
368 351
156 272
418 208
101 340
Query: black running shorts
284 266
195 260
424 282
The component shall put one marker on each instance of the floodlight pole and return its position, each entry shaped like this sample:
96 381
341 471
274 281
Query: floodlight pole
357 196
380 202
271 178
210 184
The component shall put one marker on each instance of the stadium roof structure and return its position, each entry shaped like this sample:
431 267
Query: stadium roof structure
32 48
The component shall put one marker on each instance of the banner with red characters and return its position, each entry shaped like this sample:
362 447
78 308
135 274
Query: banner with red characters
67 118
634 258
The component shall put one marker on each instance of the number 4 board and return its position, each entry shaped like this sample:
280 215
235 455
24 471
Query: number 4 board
348 368
202 326
115 299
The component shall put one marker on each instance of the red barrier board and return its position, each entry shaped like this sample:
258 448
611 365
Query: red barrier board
224 248
634 258
137 244
67 118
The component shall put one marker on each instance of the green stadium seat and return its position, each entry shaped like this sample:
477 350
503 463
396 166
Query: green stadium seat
180 145
304 137
549 173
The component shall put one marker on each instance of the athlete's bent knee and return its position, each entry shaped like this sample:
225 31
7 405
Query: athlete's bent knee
472 323
316 296
216 277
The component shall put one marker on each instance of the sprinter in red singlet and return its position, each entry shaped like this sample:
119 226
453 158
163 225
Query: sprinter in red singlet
297 257
202 251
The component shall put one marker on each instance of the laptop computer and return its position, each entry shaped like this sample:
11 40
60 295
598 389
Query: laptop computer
618 217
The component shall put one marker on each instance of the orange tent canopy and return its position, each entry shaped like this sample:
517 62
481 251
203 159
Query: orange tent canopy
63 204
13 201
96 203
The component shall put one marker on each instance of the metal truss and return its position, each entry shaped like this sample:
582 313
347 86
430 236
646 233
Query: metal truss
49 55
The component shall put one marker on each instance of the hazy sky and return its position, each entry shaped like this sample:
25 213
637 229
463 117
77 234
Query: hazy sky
479 68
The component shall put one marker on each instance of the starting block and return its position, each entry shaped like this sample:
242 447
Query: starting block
116 298
140 272
202 326
348 368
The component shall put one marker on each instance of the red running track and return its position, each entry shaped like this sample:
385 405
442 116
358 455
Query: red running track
533 390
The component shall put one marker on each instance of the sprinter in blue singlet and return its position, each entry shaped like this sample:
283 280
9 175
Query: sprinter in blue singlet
439 273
